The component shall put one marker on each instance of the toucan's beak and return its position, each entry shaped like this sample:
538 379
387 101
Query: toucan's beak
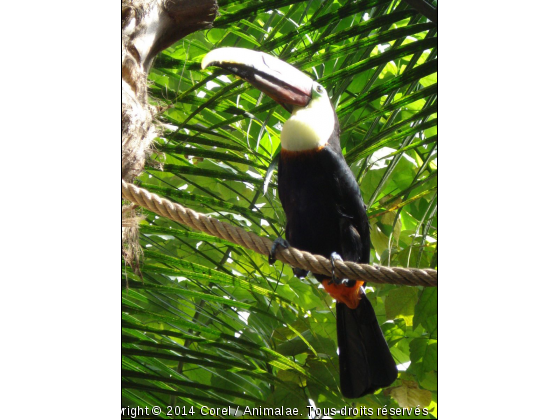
282 82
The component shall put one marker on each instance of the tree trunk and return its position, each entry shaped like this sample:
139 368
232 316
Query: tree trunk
148 27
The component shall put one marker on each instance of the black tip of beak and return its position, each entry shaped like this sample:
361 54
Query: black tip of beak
282 82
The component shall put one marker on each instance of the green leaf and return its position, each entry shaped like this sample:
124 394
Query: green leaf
400 303
423 356
426 311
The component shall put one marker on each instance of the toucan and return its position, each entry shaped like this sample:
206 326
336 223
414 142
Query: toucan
325 212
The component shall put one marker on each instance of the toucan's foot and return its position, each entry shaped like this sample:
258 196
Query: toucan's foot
336 280
278 241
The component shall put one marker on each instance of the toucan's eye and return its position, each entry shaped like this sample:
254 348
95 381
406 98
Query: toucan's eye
319 89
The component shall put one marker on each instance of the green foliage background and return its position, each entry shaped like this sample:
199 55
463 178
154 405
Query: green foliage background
212 324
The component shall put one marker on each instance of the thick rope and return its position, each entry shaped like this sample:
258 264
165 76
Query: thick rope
291 256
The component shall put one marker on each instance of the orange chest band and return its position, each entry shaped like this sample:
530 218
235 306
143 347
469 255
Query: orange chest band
301 154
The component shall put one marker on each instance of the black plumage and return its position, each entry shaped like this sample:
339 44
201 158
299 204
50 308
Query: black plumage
325 213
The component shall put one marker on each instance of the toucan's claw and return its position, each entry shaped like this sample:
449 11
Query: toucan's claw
278 241
336 280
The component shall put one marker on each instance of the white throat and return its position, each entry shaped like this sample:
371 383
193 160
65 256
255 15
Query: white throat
309 127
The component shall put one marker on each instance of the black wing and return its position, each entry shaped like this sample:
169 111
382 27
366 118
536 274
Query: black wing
353 221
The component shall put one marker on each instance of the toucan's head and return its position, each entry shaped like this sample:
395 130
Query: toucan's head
313 119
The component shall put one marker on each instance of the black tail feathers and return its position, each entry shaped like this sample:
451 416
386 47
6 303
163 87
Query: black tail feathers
366 364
